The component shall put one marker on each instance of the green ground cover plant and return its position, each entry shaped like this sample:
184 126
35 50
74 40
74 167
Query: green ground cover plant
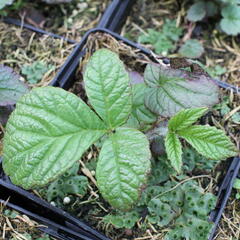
165 41
42 143
229 10
34 72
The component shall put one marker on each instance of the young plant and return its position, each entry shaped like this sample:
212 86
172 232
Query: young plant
163 41
228 9
208 141
35 72
51 128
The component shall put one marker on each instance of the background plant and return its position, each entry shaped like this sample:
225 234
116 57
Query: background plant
228 9
163 41
35 71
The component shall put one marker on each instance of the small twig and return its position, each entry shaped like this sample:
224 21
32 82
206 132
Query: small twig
180 183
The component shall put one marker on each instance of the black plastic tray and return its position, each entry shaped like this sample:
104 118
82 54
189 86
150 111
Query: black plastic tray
113 19
66 77
116 14
58 223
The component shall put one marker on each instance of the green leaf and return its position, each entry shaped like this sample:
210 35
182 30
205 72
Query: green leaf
172 90
230 1
46 134
174 151
185 118
197 12
11 88
209 141
122 168
164 40
35 71
230 23
237 184
107 87
191 49
171 30
3 3
139 110
122 219
211 8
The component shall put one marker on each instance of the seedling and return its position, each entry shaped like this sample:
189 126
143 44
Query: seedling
35 72
163 41
51 128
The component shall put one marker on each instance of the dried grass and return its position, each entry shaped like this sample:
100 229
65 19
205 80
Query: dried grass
21 46
16 227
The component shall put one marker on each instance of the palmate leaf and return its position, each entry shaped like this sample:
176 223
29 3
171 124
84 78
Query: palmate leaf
174 150
209 141
11 88
171 90
122 168
108 87
46 134
185 118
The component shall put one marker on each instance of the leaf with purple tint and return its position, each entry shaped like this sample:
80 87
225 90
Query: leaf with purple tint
11 88
171 90
135 77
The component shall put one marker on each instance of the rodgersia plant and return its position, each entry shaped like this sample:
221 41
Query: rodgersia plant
51 128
